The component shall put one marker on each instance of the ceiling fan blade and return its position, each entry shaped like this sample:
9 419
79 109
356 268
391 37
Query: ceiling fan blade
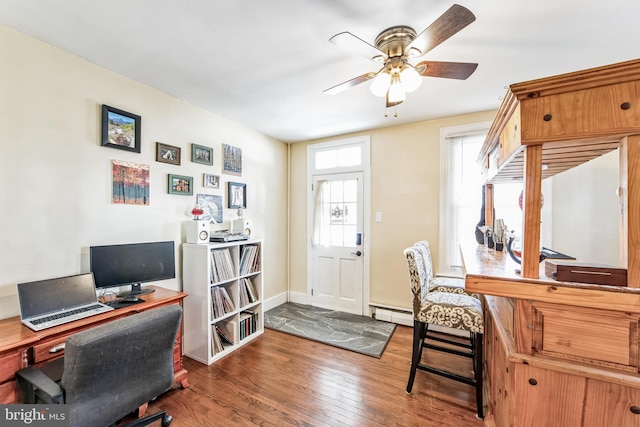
449 23
447 70
358 46
350 83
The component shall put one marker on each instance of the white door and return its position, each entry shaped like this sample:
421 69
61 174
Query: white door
337 245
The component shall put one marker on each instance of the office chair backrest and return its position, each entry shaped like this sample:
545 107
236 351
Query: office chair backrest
112 369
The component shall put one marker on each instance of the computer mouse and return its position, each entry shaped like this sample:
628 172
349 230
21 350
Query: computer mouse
131 299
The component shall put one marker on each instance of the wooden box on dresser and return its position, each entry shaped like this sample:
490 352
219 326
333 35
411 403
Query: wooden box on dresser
559 353
224 283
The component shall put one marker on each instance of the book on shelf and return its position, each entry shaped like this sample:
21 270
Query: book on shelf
221 302
216 343
248 293
250 259
221 265
223 336
248 323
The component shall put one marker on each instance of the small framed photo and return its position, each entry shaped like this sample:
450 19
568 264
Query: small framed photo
237 195
120 129
210 181
202 154
179 184
167 153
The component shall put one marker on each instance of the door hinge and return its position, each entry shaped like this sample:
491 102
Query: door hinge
311 292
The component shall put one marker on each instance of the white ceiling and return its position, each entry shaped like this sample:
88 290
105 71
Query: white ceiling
266 63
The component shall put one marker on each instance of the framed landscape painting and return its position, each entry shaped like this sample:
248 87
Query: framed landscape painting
130 183
120 129
232 163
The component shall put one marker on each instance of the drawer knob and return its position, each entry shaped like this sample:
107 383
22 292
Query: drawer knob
533 381
547 117
635 409
57 348
625 105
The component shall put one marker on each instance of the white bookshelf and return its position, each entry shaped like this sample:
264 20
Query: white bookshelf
215 276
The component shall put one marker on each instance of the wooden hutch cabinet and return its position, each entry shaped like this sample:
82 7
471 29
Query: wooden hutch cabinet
560 353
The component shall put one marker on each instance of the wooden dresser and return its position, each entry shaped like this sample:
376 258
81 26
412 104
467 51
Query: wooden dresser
558 353
21 347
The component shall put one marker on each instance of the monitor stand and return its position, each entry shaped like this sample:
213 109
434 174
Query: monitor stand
136 289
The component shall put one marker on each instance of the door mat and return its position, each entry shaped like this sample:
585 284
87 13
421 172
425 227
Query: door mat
344 330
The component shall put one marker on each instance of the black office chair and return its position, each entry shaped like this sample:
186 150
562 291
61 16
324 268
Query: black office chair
110 371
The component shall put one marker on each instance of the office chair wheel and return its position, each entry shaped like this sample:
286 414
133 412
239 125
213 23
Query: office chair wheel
166 420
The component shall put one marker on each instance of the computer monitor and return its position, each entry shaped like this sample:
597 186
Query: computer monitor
132 264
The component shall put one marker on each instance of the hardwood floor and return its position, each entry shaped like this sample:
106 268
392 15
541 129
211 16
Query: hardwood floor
282 380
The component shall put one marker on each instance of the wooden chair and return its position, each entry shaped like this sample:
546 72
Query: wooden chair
448 309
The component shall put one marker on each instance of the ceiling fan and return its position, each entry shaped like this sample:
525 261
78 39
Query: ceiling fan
395 46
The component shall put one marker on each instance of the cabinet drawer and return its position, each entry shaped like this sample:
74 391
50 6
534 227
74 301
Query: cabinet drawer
8 393
597 337
581 114
10 363
50 349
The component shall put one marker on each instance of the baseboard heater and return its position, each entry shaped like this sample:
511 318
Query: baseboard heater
405 317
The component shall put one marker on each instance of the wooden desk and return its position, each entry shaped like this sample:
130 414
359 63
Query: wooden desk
21 347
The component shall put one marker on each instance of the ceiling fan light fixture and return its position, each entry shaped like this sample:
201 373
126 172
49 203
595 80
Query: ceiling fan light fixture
410 79
396 91
380 84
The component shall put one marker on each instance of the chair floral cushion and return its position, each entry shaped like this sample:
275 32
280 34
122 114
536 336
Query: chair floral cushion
448 309
453 311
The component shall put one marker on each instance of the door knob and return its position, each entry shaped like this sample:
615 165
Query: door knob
356 253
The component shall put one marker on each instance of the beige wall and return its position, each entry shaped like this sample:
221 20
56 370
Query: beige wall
405 188
56 178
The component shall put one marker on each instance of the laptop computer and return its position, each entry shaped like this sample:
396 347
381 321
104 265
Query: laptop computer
52 302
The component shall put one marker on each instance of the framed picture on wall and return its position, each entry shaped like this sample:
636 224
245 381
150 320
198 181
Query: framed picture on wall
210 181
232 160
202 154
179 184
212 206
167 153
120 129
237 195
129 183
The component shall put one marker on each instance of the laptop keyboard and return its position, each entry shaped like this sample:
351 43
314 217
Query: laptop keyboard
65 314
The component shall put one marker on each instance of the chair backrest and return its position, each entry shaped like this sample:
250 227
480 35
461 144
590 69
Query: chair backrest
417 276
114 368
423 246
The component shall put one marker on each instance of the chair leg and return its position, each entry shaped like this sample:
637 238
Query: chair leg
419 331
477 369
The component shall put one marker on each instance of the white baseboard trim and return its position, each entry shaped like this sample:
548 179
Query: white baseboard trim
299 298
274 301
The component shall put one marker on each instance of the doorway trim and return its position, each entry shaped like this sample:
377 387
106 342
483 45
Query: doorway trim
364 142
